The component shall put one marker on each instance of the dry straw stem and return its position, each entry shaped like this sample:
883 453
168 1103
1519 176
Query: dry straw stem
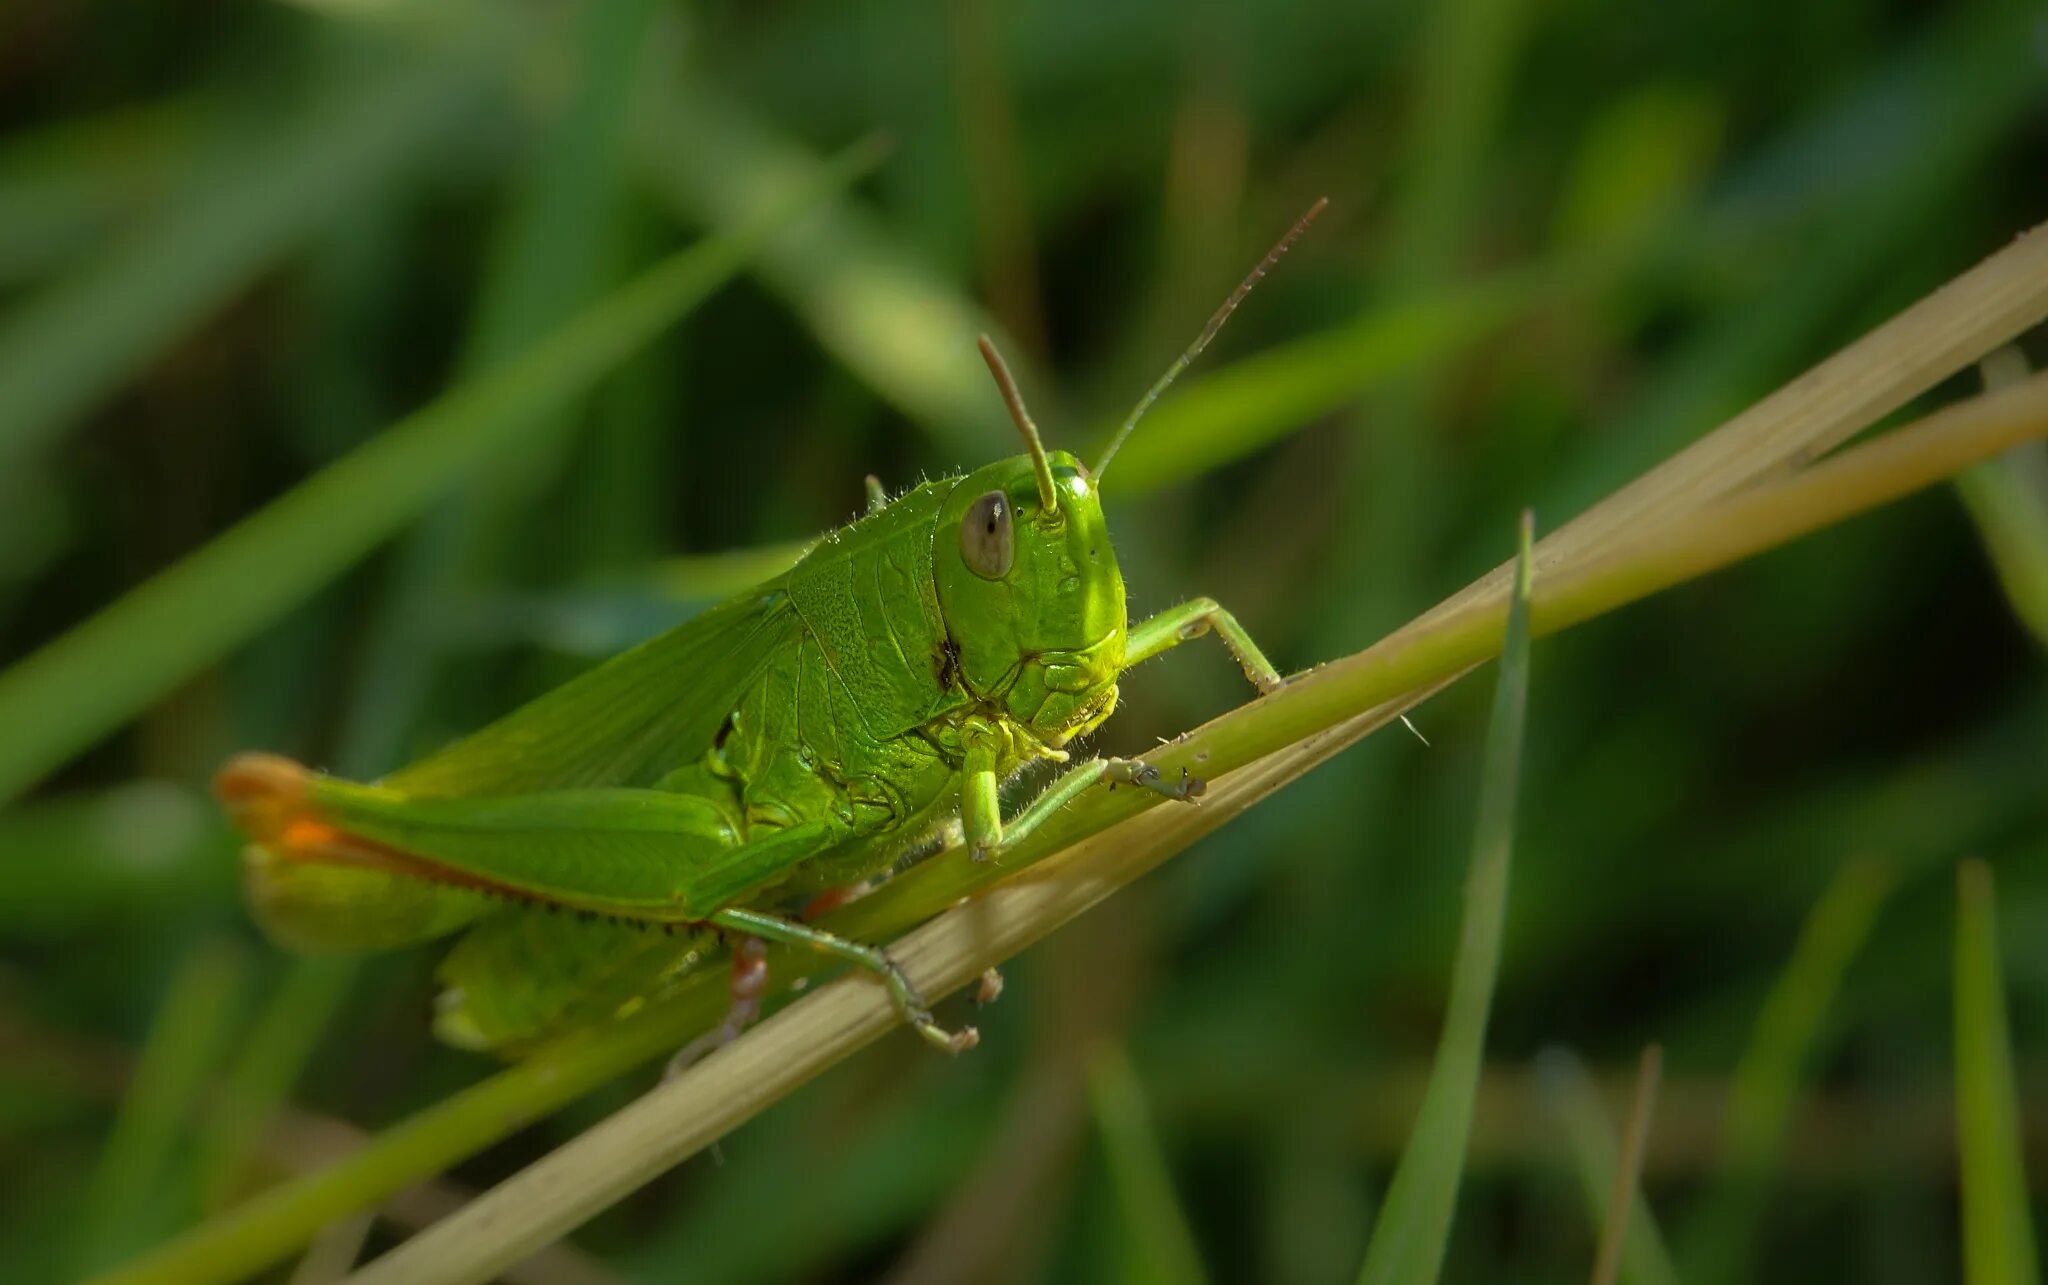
1707 507
1629 1169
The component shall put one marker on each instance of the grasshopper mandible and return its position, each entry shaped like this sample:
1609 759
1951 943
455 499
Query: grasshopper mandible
793 741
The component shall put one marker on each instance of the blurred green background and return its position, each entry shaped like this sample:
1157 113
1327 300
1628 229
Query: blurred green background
236 241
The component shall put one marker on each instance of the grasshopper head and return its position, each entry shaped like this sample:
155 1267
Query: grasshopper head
1033 601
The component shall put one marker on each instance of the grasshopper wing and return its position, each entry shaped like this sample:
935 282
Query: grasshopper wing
624 723
627 722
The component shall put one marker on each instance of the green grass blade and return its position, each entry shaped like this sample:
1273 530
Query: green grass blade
123 1202
281 1219
1407 1246
1721 1238
76 689
1467 55
1572 1099
713 577
1998 1235
79 339
1158 1234
1254 402
2008 500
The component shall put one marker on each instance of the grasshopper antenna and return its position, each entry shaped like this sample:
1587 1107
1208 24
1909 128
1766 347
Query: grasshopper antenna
1048 494
1209 332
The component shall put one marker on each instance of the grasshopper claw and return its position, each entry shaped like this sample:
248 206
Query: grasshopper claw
911 1005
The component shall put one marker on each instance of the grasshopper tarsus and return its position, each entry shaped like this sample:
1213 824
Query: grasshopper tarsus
911 1005
988 988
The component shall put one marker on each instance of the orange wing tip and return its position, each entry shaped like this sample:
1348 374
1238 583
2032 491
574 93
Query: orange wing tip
265 795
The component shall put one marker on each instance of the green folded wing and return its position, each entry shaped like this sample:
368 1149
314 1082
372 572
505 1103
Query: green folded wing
642 854
627 722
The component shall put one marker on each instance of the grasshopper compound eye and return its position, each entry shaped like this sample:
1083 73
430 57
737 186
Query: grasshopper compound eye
986 542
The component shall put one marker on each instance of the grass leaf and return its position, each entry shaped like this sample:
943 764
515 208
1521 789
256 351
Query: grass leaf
1414 1225
1157 1230
1998 1235
2008 499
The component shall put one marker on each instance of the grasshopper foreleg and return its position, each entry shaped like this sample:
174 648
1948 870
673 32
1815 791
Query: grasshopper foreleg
754 923
1190 620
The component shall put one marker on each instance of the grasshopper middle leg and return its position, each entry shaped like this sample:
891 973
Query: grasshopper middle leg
748 989
1066 787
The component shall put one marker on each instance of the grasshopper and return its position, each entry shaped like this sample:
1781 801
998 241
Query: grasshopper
790 743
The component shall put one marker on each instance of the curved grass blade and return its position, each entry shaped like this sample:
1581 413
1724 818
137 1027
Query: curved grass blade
1158 1238
1998 1236
1253 402
1414 1226
2008 500
76 689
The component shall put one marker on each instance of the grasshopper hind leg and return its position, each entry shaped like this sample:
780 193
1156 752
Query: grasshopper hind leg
909 1003
749 989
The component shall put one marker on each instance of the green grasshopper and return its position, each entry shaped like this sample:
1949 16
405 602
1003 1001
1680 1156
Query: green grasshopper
784 746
